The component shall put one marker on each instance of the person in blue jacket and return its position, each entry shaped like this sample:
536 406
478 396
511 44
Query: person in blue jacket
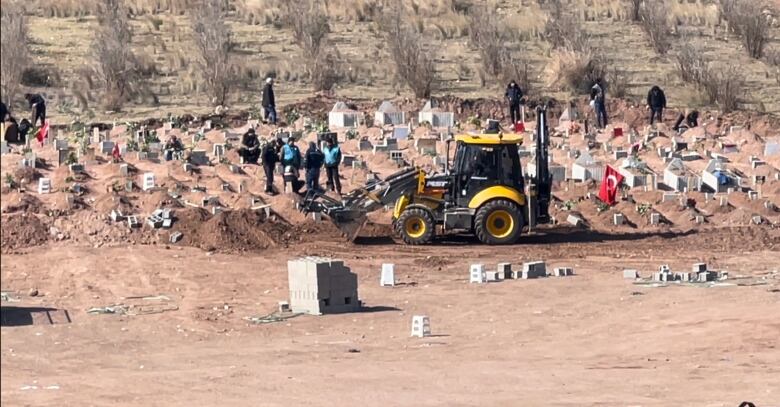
332 162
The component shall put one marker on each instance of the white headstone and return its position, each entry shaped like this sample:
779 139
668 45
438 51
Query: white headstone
477 274
148 181
388 275
44 185
421 326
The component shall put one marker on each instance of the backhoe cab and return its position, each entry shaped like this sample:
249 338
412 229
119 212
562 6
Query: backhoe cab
483 193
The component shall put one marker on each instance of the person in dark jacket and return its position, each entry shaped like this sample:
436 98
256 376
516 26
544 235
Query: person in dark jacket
270 158
332 161
38 107
691 119
4 112
250 147
269 101
598 97
514 95
656 102
173 148
314 161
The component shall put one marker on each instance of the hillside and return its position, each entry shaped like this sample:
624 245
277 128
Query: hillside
61 35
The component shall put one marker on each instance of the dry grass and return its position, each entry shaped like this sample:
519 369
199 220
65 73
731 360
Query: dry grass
574 71
14 49
116 67
413 64
747 20
654 19
212 37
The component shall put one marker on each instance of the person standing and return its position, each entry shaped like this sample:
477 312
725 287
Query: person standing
656 102
38 107
291 162
270 158
269 101
314 160
4 112
332 162
514 95
598 98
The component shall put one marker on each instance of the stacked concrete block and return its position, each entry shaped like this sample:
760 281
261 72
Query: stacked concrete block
477 274
505 271
44 185
322 286
534 269
563 271
421 326
492 276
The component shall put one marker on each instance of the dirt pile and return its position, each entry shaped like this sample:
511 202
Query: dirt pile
23 230
231 231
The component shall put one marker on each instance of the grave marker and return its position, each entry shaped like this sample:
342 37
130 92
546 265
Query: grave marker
421 326
387 278
148 181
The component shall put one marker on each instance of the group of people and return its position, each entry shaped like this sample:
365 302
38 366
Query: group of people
292 161
16 132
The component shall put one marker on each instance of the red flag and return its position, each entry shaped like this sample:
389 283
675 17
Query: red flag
115 152
43 132
519 127
617 132
609 185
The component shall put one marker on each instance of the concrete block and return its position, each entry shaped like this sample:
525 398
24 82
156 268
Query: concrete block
535 269
618 219
505 270
492 276
477 274
76 168
421 326
757 220
685 276
148 181
44 185
707 276
563 271
175 237
124 170
387 278
699 267
630 274
574 220
655 218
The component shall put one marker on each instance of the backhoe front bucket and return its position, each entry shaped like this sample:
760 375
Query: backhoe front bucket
349 221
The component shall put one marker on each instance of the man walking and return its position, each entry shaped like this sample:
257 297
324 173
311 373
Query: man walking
332 162
269 101
656 102
598 100
514 95
38 107
314 159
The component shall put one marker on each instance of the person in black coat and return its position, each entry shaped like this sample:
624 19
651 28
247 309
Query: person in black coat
656 102
4 112
38 107
269 101
514 95
250 147
270 158
314 160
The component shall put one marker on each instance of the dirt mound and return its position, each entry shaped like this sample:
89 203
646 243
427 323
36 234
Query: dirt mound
25 203
231 231
22 230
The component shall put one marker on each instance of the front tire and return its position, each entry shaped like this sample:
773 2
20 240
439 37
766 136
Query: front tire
498 222
416 226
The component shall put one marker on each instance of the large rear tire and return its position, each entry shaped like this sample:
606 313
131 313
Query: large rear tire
498 222
416 226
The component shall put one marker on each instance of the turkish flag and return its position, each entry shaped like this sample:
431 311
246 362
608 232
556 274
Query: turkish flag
43 133
609 185
519 127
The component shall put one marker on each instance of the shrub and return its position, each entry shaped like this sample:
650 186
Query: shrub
723 86
574 71
486 33
309 23
653 17
213 42
413 66
116 64
14 48
747 20
566 31
690 64
634 8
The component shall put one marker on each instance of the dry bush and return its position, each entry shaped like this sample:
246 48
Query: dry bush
653 17
690 64
487 35
772 58
634 9
617 82
115 63
413 66
724 87
747 20
14 48
520 72
574 71
213 42
565 31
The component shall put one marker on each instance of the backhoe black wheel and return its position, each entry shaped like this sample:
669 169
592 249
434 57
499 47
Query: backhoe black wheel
498 222
416 226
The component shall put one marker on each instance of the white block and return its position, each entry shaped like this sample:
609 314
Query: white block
44 185
148 181
421 326
388 275
477 274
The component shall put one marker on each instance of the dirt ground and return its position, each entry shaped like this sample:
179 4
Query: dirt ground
590 339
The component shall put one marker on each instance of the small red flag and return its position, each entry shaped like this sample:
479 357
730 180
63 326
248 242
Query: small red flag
43 132
115 152
519 127
617 132
609 185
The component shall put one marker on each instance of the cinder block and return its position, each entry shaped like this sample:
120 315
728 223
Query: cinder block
477 273
492 276
505 270
534 269
699 267
630 274
563 271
